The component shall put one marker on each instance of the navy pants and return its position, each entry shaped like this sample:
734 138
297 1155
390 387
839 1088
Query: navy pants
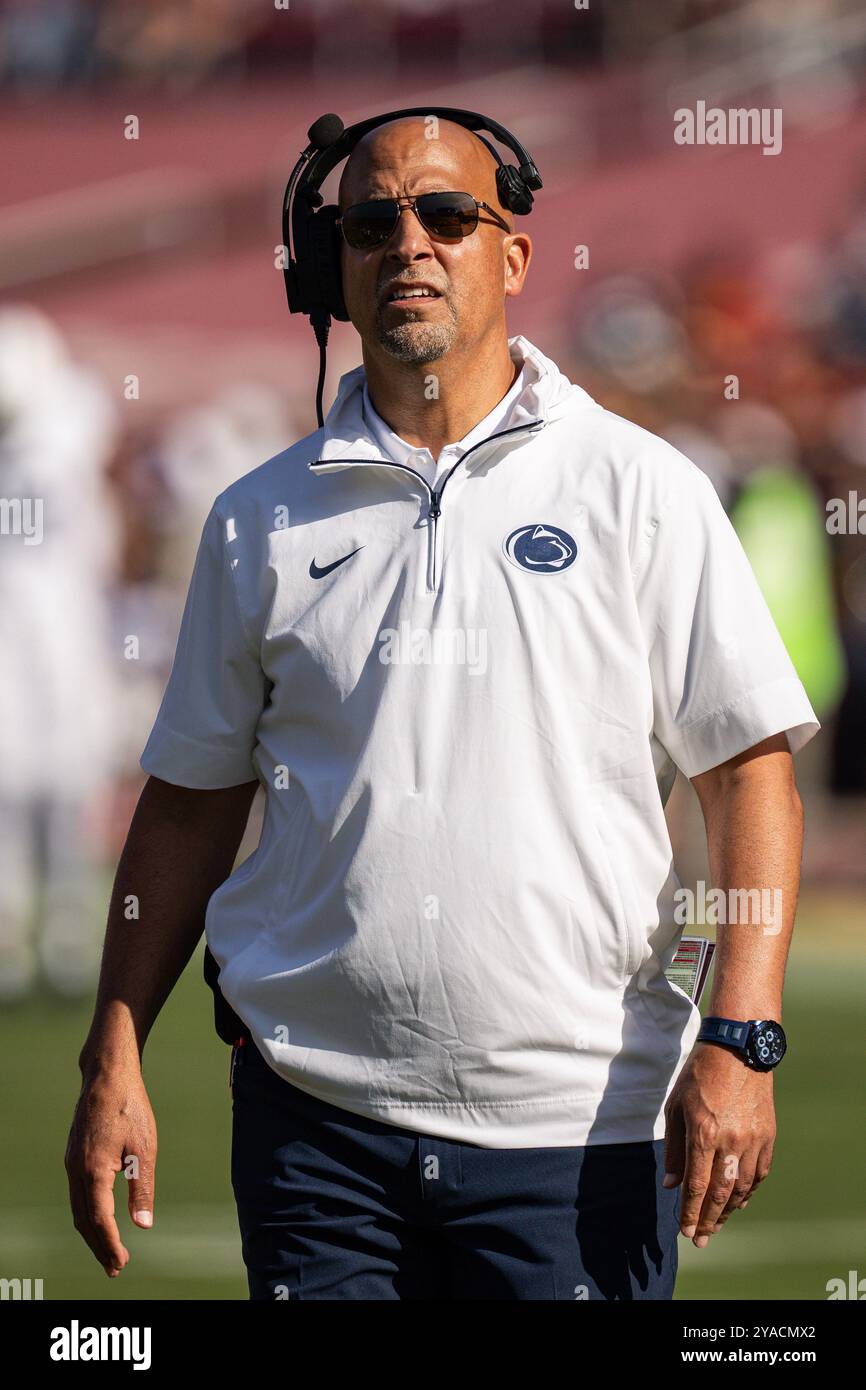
333 1205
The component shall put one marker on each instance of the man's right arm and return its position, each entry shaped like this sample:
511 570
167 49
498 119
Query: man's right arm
181 846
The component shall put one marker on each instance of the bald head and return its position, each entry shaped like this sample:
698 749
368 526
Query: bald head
399 157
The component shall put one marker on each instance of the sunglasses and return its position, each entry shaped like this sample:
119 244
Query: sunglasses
446 216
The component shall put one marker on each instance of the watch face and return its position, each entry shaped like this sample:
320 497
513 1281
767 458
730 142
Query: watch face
767 1043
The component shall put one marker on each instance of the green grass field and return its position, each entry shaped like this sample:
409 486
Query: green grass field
807 1225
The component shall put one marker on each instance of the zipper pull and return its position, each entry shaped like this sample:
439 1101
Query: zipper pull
434 503
235 1056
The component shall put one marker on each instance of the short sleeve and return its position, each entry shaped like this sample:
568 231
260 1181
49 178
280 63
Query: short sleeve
205 732
722 679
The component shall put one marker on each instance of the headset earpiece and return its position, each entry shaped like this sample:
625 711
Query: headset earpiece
513 192
325 246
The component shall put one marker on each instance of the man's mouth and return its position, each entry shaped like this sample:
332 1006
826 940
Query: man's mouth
406 295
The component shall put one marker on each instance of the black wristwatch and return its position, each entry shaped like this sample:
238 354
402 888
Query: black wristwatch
761 1043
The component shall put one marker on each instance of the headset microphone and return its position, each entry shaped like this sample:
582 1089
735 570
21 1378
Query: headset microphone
326 131
311 236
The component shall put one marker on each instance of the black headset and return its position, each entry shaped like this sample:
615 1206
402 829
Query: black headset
312 273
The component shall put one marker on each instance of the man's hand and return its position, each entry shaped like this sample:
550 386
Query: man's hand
180 848
721 1127
113 1130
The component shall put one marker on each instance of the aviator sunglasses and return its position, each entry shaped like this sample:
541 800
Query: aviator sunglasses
447 216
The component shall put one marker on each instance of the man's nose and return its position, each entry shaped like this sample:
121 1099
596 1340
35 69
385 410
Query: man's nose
408 239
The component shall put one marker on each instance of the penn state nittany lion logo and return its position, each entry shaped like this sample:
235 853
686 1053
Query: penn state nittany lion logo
541 549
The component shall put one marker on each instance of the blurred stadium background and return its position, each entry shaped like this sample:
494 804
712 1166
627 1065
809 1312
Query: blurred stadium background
147 359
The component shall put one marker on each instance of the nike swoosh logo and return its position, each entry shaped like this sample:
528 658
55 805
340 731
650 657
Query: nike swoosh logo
319 573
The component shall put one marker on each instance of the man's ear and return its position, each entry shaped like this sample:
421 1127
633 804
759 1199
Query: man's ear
518 254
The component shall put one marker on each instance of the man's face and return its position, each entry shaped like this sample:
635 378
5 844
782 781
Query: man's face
469 276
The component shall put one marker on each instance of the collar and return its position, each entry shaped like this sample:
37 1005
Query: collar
545 394
394 447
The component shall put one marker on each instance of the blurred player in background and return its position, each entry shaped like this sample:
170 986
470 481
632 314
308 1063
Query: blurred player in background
57 554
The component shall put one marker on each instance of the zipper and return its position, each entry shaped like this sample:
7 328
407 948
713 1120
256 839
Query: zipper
434 510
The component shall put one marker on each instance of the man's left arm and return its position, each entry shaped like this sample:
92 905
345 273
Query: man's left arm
721 1124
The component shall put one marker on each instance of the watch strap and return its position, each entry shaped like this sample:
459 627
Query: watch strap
730 1032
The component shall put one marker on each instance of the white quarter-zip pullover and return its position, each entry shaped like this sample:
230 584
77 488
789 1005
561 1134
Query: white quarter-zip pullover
467 705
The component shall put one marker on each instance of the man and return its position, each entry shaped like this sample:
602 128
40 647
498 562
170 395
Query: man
465 673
